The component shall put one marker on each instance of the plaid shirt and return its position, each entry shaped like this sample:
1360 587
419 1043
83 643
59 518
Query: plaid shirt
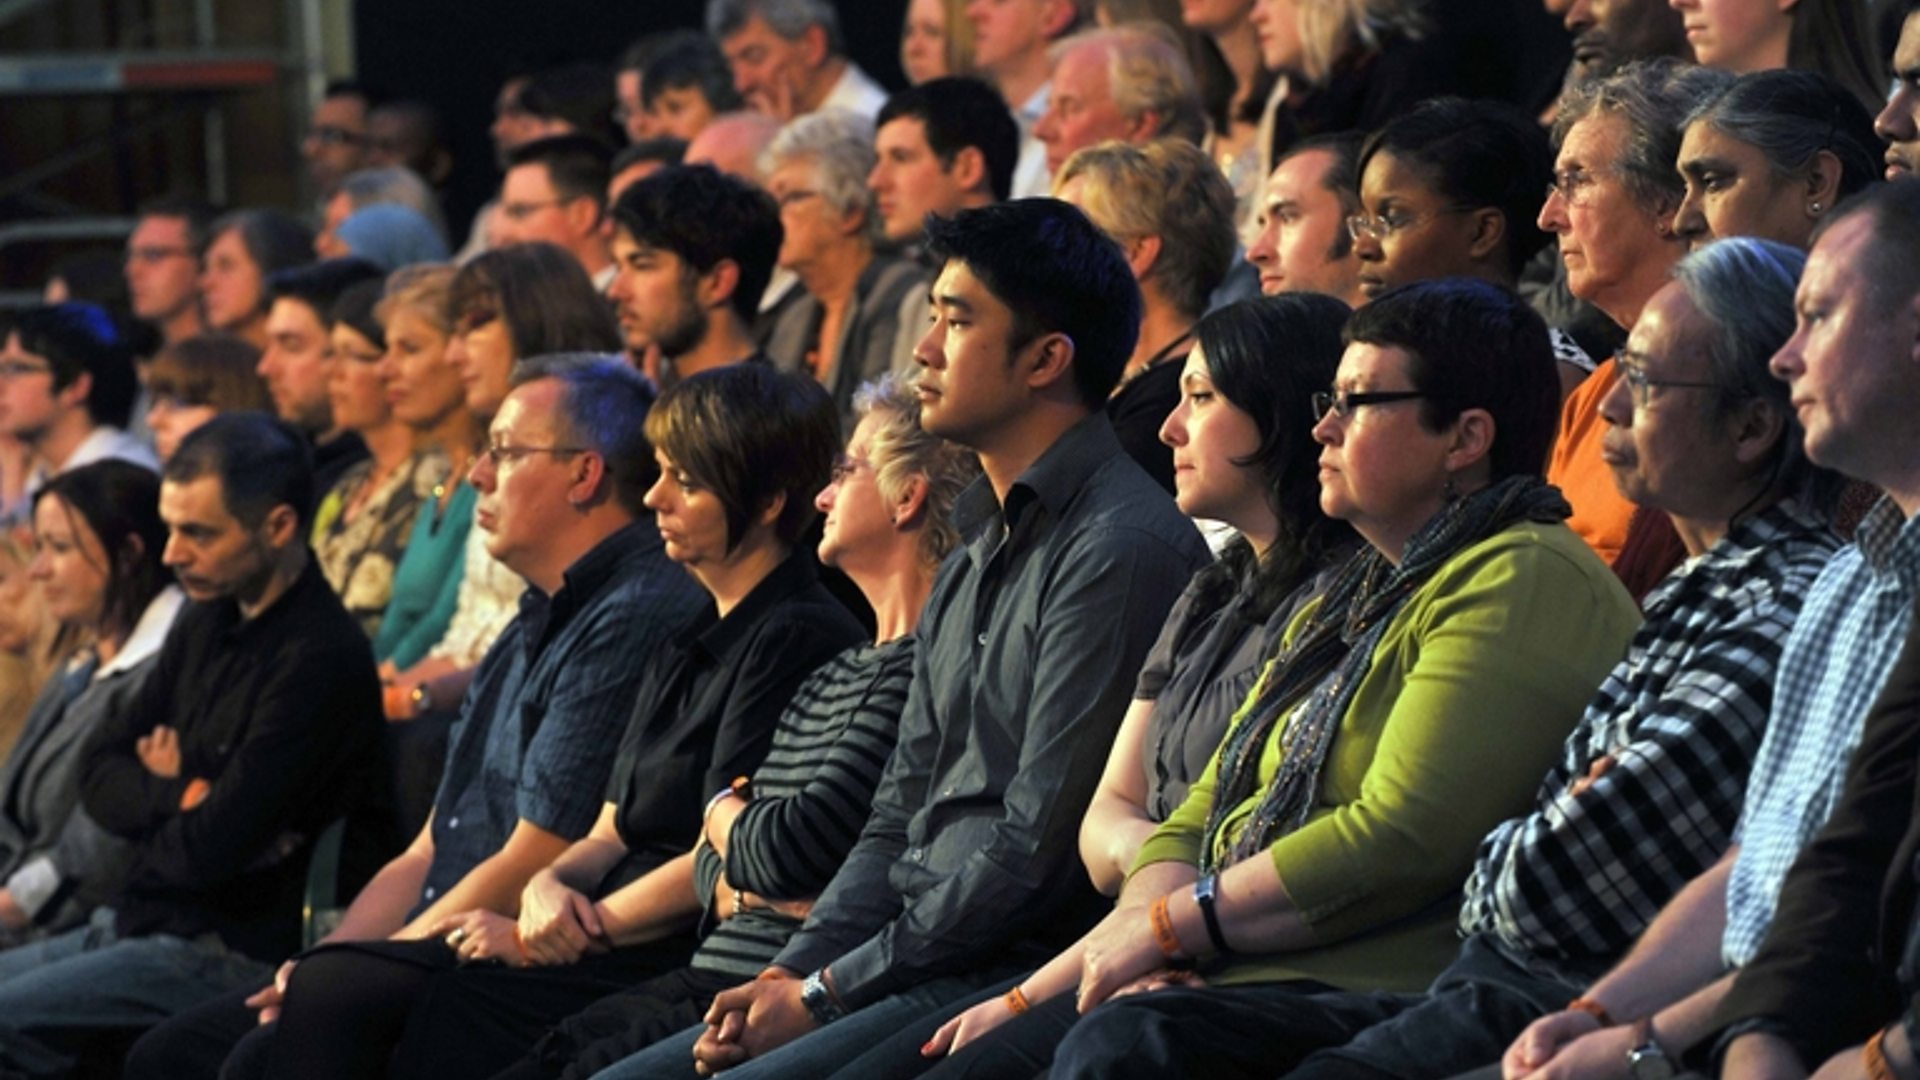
1574 882
1850 630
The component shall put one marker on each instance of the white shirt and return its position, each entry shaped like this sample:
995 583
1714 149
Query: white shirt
1031 177
855 91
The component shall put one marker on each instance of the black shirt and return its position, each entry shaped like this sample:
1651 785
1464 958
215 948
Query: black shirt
280 714
708 706
1030 643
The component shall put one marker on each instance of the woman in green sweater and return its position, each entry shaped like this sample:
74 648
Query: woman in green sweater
1407 712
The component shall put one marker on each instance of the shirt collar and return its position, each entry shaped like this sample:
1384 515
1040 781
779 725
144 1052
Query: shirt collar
591 572
1890 541
1746 542
148 634
794 574
1054 479
300 594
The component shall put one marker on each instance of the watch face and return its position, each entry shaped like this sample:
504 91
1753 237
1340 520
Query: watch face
1649 1063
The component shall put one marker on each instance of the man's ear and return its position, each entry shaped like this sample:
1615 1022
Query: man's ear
1051 360
716 286
813 45
75 394
1059 17
969 169
590 483
281 527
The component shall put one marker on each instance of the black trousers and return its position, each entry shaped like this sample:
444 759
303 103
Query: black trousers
616 1027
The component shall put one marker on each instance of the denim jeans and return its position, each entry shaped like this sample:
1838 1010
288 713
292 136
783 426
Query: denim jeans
53 992
819 1053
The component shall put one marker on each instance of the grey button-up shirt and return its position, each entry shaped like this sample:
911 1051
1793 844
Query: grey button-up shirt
1032 638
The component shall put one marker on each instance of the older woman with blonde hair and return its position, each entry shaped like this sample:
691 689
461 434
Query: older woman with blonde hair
1172 213
842 330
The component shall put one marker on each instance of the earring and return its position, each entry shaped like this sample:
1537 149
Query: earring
1815 207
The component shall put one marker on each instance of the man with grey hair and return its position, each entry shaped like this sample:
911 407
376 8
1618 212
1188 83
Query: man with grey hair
1128 83
1697 431
788 57
561 481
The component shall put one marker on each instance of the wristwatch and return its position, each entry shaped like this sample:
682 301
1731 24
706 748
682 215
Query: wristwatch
818 997
1646 1060
1206 894
422 698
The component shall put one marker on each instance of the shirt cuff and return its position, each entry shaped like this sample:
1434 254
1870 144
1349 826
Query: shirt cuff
33 885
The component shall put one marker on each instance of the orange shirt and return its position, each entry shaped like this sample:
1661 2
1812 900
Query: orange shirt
1600 514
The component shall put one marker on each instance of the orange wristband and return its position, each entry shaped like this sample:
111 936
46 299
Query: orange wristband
1876 1058
1592 1008
196 793
1017 1001
1163 934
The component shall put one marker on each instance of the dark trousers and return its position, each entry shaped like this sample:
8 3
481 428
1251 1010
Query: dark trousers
197 1043
616 1027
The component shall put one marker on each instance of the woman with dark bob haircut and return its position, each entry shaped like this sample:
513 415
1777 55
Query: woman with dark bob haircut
742 450
97 541
1410 708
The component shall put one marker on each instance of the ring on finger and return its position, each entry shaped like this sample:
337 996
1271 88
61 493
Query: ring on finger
457 938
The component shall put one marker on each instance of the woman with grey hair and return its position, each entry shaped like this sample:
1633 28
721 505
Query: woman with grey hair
840 327
1770 155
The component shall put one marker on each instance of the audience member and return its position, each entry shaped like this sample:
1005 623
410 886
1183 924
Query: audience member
69 384
247 247
1899 122
556 191
256 728
688 83
1127 84
1245 459
97 539
1302 243
942 146
391 237
409 134
1454 189
569 99
844 330
528 760
299 355
694 249
1297 849
362 524
741 450
1849 374
1610 34
1234 85
1770 155
1171 212
1611 206
1702 433
1011 42
163 266
194 380
936 40
1832 37
33 645
629 81
789 59
641 160
336 140
963 874
733 143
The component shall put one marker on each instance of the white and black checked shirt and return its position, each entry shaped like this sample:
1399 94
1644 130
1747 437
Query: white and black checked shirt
1850 630
1574 882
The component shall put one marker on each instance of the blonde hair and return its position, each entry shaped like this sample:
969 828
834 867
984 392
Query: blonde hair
1330 29
901 449
425 289
1165 189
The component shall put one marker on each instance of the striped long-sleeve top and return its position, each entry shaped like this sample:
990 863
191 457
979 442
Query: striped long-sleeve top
810 798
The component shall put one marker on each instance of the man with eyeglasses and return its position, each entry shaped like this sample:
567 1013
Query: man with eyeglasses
163 266
336 139
556 191
560 482
66 386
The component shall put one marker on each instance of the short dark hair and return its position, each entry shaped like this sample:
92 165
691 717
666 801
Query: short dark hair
1887 262
580 95
355 310
195 211
578 166
319 286
690 61
350 88
664 149
603 406
958 112
120 502
787 18
1058 273
546 298
748 433
1473 345
77 338
274 240
261 462
1343 175
703 216
1476 153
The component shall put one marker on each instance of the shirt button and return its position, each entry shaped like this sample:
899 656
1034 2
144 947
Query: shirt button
914 854
428 892
453 823
982 639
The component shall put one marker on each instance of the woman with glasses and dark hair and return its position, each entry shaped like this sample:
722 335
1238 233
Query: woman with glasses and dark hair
98 538
1453 189
1400 716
